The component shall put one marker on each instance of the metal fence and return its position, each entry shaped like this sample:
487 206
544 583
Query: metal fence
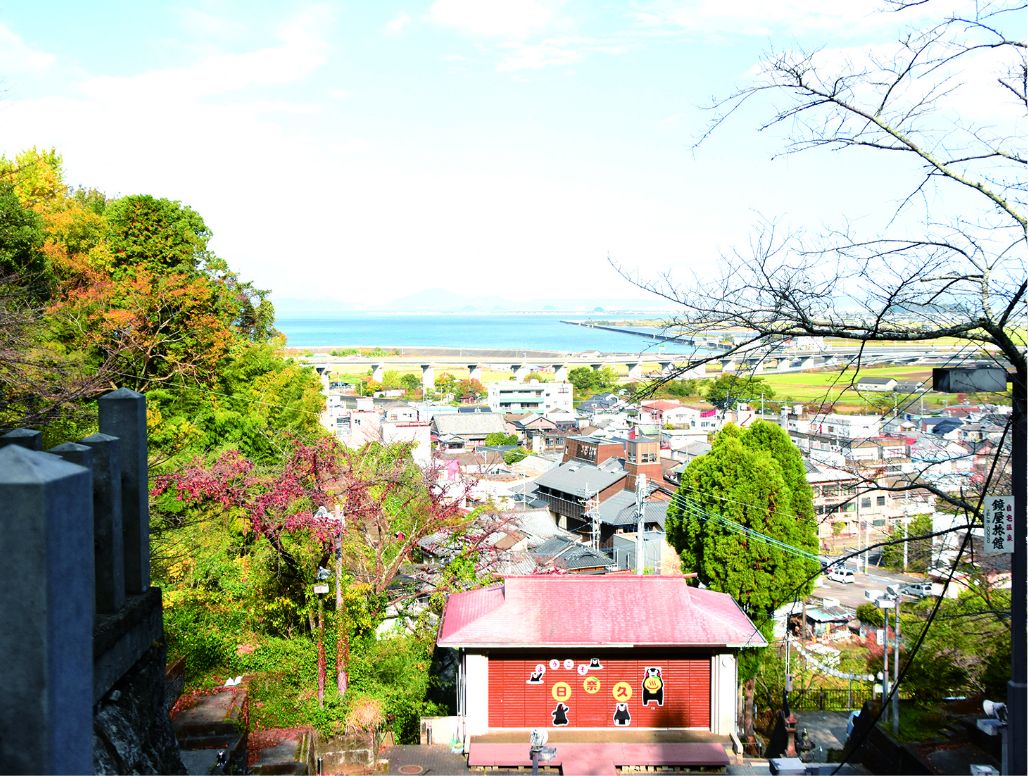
835 699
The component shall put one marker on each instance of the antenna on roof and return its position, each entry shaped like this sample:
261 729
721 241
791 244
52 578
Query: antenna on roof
640 508
592 510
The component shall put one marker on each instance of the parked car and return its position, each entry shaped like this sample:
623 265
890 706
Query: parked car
842 575
917 589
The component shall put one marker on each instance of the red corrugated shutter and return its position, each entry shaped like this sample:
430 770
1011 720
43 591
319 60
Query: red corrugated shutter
513 702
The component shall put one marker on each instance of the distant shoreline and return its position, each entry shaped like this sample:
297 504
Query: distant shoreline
417 352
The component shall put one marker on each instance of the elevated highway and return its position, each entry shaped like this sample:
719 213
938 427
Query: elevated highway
521 363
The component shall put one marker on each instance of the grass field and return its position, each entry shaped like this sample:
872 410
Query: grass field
828 387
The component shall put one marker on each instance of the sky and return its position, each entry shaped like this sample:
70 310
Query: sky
365 152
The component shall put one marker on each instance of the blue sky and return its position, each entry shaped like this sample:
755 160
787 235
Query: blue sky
367 151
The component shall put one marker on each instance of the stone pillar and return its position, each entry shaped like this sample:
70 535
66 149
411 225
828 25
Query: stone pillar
46 614
427 377
475 372
521 371
123 415
108 529
23 437
80 455
377 372
665 366
560 373
635 371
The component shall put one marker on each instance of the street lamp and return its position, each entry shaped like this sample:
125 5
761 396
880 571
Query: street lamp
320 588
342 639
538 752
890 601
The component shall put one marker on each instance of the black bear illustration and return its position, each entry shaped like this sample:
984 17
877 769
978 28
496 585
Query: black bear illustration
621 716
560 715
594 664
653 686
536 677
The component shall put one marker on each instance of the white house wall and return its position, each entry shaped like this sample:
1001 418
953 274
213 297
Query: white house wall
724 683
476 683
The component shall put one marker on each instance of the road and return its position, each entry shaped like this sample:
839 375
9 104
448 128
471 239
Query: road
852 595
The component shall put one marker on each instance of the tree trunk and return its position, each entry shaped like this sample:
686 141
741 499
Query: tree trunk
749 734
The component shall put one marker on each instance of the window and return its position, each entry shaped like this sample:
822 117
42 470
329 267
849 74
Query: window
880 501
865 503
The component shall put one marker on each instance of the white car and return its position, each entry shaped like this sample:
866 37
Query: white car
841 575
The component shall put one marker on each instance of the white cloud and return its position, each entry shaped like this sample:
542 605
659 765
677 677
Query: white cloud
16 56
493 18
398 23
301 51
536 56
762 18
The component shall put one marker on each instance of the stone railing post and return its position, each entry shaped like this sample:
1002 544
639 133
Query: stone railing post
123 415
28 438
46 614
108 530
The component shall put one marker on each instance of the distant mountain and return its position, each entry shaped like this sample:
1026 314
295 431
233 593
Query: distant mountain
439 300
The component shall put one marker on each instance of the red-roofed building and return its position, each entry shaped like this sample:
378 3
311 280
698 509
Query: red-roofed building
581 652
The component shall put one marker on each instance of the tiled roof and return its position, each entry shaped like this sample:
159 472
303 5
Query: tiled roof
469 423
570 554
576 478
619 509
595 611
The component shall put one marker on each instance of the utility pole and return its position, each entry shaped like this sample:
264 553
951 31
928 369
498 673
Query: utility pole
896 672
991 379
885 653
640 508
342 635
906 522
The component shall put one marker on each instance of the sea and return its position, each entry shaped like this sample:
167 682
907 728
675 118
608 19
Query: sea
523 331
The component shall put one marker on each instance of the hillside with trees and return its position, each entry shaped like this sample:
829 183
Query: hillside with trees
98 292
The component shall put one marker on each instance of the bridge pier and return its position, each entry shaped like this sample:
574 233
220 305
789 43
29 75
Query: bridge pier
521 371
427 378
475 372
635 371
560 373
377 372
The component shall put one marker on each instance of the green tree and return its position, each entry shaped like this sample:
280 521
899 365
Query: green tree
446 383
751 480
756 480
730 389
515 455
919 551
966 650
410 383
156 233
587 380
471 389
21 242
583 378
682 388
499 439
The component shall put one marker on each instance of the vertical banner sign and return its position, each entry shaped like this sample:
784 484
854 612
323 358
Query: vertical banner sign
999 525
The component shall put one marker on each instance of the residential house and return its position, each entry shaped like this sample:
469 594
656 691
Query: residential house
415 432
531 396
466 430
876 384
670 414
566 553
